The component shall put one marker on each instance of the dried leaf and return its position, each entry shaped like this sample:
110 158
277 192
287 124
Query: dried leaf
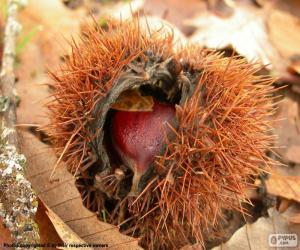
293 213
295 219
288 129
296 88
132 100
4 234
245 31
176 12
284 205
122 9
295 67
221 8
284 186
47 231
157 23
63 198
64 231
284 32
255 236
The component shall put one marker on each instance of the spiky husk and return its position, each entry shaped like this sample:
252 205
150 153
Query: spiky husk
216 151
219 150
86 78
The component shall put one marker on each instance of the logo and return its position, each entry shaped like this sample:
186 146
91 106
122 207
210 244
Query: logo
283 240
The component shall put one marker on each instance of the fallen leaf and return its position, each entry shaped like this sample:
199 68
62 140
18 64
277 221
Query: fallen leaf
64 231
156 23
284 205
245 31
221 8
293 213
4 234
284 186
256 236
295 67
176 12
296 88
290 6
63 198
47 231
295 219
288 128
122 9
284 32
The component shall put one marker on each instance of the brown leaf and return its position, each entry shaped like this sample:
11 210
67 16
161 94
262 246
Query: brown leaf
288 129
295 67
121 9
220 8
176 12
295 219
255 236
156 23
284 186
283 205
63 198
47 231
245 31
290 6
132 100
4 234
284 32
64 231
296 88
293 213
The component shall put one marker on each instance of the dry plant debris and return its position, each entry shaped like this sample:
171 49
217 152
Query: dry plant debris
255 236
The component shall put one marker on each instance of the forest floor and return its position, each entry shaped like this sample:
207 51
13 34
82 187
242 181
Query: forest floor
261 30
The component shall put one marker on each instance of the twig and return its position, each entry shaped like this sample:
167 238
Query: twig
7 77
18 203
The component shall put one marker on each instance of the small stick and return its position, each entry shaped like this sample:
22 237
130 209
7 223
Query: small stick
18 202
